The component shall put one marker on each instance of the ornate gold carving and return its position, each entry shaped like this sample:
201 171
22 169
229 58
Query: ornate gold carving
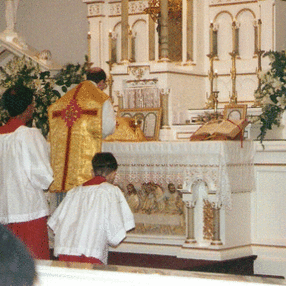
174 9
208 218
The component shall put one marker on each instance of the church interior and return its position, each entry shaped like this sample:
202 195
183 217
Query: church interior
172 65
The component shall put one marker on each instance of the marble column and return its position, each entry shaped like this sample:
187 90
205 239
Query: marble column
120 101
190 203
190 30
151 39
124 30
190 222
164 46
216 224
165 107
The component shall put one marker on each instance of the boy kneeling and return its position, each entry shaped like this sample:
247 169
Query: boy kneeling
92 216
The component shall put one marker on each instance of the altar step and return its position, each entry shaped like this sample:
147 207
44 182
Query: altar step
239 266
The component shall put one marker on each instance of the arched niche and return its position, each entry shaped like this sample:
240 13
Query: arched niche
117 38
246 40
223 25
140 40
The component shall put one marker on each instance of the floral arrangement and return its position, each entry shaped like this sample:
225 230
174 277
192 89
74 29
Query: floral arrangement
46 88
271 94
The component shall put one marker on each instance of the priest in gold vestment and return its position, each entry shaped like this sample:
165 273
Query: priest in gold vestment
79 121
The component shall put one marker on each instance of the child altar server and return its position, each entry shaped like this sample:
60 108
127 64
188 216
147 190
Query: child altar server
25 171
92 216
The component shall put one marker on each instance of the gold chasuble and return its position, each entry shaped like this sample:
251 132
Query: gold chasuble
75 135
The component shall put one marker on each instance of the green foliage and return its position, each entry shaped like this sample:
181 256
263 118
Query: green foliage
71 74
45 88
272 92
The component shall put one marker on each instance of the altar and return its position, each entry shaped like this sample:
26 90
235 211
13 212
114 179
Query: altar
213 179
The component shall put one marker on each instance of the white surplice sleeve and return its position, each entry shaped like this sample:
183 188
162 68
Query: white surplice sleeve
108 119
119 220
36 156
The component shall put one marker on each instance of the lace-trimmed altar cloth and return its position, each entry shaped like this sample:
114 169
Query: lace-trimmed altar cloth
223 165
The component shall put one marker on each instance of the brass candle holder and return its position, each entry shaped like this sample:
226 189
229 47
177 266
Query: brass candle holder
234 54
259 54
109 80
212 99
233 97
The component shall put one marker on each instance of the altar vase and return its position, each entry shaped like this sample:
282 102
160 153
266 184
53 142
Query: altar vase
78 121
92 216
25 172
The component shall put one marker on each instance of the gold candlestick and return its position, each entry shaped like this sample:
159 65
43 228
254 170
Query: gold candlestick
233 97
233 54
110 63
259 54
211 99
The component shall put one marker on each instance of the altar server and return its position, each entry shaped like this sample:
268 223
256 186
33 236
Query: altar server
92 216
78 122
25 172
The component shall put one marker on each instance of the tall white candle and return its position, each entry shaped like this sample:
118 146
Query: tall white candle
215 79
110 45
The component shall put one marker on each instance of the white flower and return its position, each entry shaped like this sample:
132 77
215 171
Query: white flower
271 58
267 100
277 84
281 101
262 74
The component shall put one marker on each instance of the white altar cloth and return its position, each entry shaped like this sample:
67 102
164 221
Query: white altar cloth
224 166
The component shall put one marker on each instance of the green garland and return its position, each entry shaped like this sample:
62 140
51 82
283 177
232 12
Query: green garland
272 92
45 88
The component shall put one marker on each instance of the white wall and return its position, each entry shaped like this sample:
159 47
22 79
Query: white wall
281 24
59 26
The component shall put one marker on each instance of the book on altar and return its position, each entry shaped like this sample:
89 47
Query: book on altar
225 129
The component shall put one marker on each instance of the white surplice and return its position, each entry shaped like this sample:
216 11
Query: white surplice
89 219
26 172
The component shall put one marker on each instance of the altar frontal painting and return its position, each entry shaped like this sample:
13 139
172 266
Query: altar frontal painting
157 210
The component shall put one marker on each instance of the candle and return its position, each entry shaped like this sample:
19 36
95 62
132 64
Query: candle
89 46
215 77
130 56
259 34
211 38
110 46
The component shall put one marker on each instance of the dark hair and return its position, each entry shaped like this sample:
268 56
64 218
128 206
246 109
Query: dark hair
96 75
104 163
16 99
17 267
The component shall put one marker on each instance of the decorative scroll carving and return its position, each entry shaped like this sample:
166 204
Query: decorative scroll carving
94 9
224 2
138 71
135 7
